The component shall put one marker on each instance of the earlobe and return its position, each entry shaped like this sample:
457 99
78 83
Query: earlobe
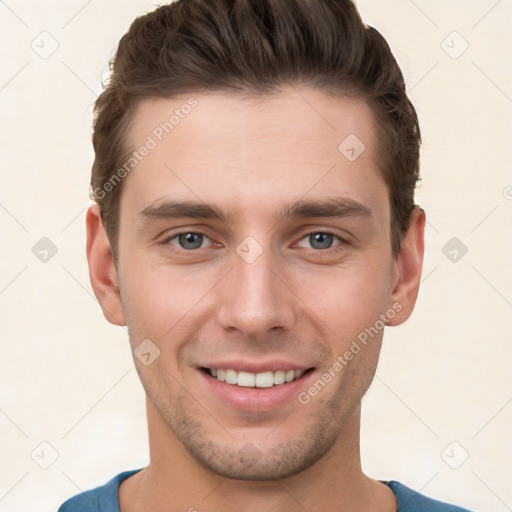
408 265
102 271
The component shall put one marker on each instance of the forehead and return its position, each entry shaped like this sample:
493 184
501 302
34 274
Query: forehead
254 152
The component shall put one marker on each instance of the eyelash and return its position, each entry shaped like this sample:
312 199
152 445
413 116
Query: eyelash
342 241
195 232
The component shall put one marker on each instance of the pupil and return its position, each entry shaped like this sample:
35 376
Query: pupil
320 240
190 240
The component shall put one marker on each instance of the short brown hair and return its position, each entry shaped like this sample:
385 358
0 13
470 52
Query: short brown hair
256 46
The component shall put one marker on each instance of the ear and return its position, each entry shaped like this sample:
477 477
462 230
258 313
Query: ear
102 271
408 266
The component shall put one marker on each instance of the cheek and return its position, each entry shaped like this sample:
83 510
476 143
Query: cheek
160 302
348 299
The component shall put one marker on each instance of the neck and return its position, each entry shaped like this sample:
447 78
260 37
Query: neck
175 481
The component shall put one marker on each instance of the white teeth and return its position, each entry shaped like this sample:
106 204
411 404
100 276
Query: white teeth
246 379
231 377
259 380
279 377
265 380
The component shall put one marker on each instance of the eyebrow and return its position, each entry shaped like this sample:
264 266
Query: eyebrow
331 207
181 209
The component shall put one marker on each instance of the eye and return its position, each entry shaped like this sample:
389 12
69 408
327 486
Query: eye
322 240
189 241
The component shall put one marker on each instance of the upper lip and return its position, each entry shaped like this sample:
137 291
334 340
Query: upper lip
255 366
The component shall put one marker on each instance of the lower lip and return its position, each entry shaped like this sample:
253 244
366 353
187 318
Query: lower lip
256 399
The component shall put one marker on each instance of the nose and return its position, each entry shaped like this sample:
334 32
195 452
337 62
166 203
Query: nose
255 298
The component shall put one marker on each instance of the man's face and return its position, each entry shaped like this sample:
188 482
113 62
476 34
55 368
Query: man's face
296 269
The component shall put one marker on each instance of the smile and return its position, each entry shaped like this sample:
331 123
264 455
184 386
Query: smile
251 380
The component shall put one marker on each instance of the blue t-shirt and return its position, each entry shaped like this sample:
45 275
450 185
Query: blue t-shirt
105 499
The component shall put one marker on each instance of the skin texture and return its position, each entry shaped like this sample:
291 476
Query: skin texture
295 302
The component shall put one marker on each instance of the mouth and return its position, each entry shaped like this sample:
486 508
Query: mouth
267 379
255 386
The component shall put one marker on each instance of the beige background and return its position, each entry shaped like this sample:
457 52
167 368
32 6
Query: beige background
67 377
